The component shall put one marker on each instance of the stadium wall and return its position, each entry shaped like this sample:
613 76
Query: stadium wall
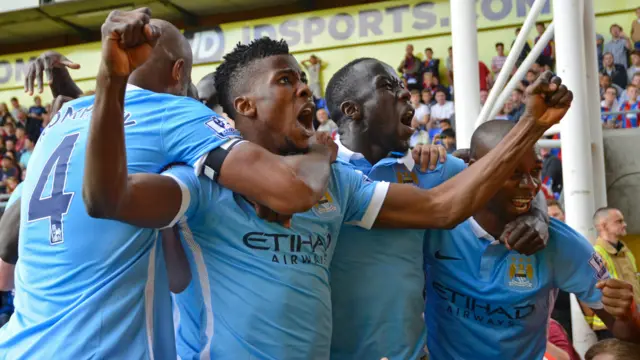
337 36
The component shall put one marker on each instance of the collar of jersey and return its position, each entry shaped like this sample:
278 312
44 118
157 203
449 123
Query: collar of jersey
349 156
481 233
132 87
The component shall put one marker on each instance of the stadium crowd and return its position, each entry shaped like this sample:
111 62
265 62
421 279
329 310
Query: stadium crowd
433 121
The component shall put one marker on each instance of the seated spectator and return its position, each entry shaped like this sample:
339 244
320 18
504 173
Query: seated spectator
635 81
4 113
517 101
9 131
619 46
37 110
439 87
630 120
422 112
503 114
2 145
447 139
29 145
547 58
431 64
612 349
610 103
635 65
526 49
599 49
16 108
605 83
326 124
551 170
498 61
616 72
10 148
428 83
449 65
442 109
7 170
410 67
11 183
531 76
484 94
558 345
427 98
20 138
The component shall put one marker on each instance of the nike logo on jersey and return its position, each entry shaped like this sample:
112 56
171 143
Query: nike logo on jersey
444 257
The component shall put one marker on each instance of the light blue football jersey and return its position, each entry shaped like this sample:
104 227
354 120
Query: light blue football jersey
486 302
15 195
259 290
90 288
377 276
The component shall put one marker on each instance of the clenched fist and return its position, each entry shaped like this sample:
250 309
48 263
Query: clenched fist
547 100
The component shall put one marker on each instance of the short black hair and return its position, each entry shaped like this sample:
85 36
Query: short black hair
232 72
428 49
339 89
446 121
14 99
500 44
448 133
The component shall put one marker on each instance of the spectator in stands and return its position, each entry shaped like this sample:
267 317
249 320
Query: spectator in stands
610 103
410 67
635 65
448 140
503 114
422 112
498 61
29 145
635 81
4 113
449 65
546 59
558 345
630 120
16 108
2 146
484 94
10 149
20 138
599 49
619 46
616 72
617 258
531 76
525 50
431 64
605 83
7 170
442 109
613 349
326 124
428 83
314 66
9 131
439 87
554 210
486 78
517 101
635 30
12 183
427 98
551 171
37 110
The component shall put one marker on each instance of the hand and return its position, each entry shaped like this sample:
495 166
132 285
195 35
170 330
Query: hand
547 100
269 215
464 154
58 102
527 235
127 41
324 138
427 156
617 297
45 63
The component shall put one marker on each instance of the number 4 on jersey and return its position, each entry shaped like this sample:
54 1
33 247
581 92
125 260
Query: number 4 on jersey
56 205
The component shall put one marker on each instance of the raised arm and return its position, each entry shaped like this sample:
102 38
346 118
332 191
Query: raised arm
460 197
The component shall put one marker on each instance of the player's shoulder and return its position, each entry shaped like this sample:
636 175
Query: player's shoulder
562 235
344 171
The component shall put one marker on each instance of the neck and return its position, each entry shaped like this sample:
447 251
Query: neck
146 81
609 103
492 221
611 239
257 135
356 140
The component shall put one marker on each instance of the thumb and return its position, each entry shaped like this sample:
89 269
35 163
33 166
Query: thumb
70 64
601 284
152 33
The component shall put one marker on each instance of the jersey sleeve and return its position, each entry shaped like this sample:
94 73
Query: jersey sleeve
17 193
190 131
577 267
364 197
191 191
443 172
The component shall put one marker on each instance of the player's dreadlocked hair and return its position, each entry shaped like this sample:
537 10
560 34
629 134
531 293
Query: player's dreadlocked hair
231 75
339 89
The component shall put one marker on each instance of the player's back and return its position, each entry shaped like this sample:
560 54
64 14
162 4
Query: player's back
88 288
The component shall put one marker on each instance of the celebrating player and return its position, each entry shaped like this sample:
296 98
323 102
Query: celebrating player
79 275
485 301
391 325
263 289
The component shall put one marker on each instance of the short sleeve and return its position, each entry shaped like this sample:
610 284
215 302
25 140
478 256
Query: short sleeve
15 195
190 131
577 267
364 197
191 191
443 172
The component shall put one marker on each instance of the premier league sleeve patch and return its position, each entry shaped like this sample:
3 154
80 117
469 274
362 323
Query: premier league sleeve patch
221 127
600 270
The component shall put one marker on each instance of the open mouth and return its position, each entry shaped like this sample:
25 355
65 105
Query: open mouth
521 203
407 116
305 116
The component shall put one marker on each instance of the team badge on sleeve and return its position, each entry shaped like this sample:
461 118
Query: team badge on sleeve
221 127
598 266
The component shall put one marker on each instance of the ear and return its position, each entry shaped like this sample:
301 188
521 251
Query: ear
352 110
245 106
176 72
